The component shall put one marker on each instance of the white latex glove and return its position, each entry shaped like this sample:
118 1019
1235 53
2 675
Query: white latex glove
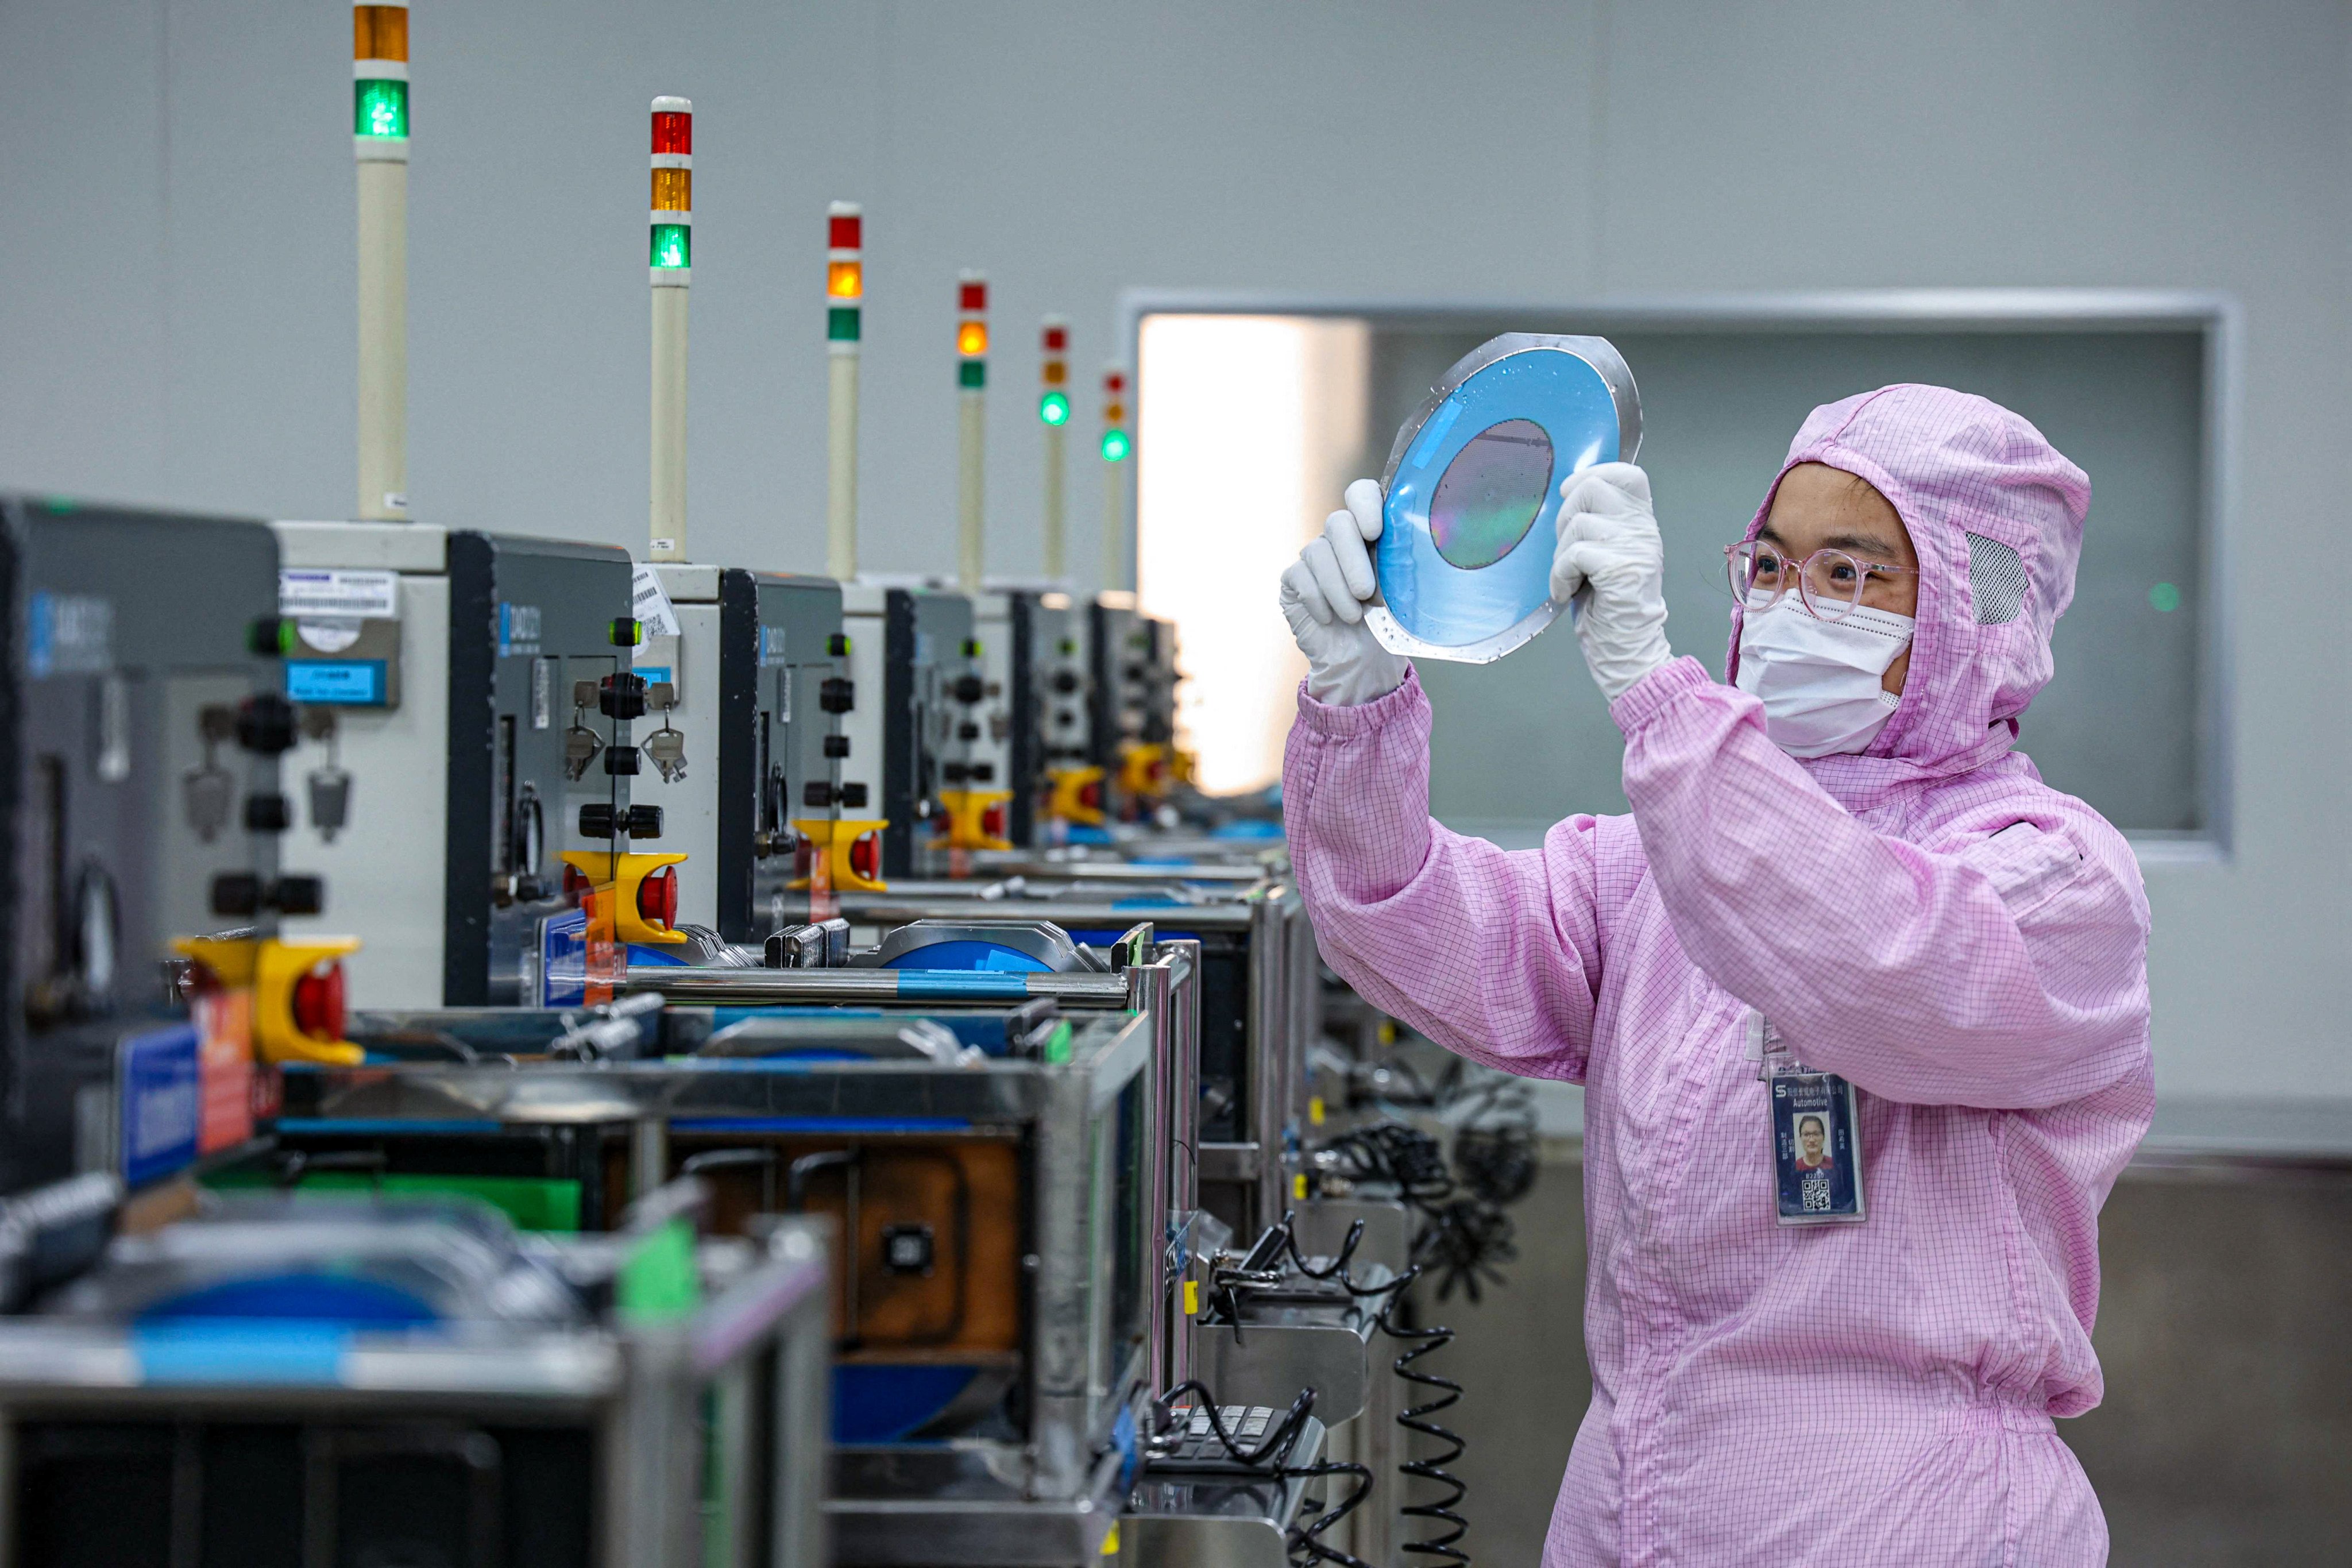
1323 593
1611 564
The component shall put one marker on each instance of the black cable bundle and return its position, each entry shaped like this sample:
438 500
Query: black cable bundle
1273 1456
1391 1150
1467 1240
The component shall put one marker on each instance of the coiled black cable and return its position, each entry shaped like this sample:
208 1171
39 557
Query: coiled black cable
1414 1418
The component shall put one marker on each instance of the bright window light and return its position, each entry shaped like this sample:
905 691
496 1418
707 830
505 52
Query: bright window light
1251 426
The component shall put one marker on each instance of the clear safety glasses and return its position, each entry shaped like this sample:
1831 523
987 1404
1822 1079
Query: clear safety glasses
1830 583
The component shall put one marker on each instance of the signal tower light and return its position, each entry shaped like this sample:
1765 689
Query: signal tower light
670 269
1115 442
380 141
971 399
380 82
672 249
844 275
971 331
1054 402
844 315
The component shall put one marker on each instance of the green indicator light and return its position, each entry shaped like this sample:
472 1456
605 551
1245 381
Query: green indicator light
972 372
841 324
1116 446
2165 598
1054 408
673 245
380 109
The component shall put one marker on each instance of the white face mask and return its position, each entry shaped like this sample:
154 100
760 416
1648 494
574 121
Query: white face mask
1818 680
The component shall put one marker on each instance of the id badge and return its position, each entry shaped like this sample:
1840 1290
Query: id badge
1816 1147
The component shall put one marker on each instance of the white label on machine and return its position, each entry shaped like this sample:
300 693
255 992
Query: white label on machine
371 596
328 634
651 606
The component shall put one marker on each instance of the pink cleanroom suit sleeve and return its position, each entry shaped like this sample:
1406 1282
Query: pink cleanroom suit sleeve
1927 976
1493 954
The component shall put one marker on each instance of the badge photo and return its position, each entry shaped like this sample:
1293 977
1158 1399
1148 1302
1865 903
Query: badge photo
1816 1149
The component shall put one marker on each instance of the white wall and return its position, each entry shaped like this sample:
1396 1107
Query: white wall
175 291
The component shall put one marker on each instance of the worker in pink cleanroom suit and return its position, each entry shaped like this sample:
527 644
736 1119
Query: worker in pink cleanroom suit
1836 864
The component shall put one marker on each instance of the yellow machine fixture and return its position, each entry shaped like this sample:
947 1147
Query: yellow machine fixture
976 818
1078 795
847 851
644 890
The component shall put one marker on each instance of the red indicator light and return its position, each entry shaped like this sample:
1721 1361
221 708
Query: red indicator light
657 898
992 821
1114 382
1058 340
865 857
319 1002
673 134
972 295
844 232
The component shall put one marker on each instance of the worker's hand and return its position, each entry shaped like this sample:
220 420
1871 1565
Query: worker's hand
1610 564
1323 593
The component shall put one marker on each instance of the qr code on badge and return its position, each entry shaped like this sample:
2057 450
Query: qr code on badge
1817 1194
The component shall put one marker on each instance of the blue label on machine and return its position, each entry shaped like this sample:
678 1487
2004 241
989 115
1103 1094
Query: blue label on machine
564 959
518 630
351 682
156 1083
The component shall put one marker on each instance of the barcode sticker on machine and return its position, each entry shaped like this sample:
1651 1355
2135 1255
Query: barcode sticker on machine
374 596
651 604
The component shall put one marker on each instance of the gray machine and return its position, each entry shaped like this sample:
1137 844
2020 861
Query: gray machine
299 1382
746 739
144 724
1045 704
1001 1310
1258 989
484 697
932 718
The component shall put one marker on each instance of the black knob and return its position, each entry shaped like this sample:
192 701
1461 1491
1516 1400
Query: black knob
621 697
816 794
1066 720
620 759
968 688
853 795
645 821
837 695
836 745
268 814
625 633
236 893
298 895
265 723
954 773
966 731
983 772
837 645
596 822
1065 682
1135 672
269 636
